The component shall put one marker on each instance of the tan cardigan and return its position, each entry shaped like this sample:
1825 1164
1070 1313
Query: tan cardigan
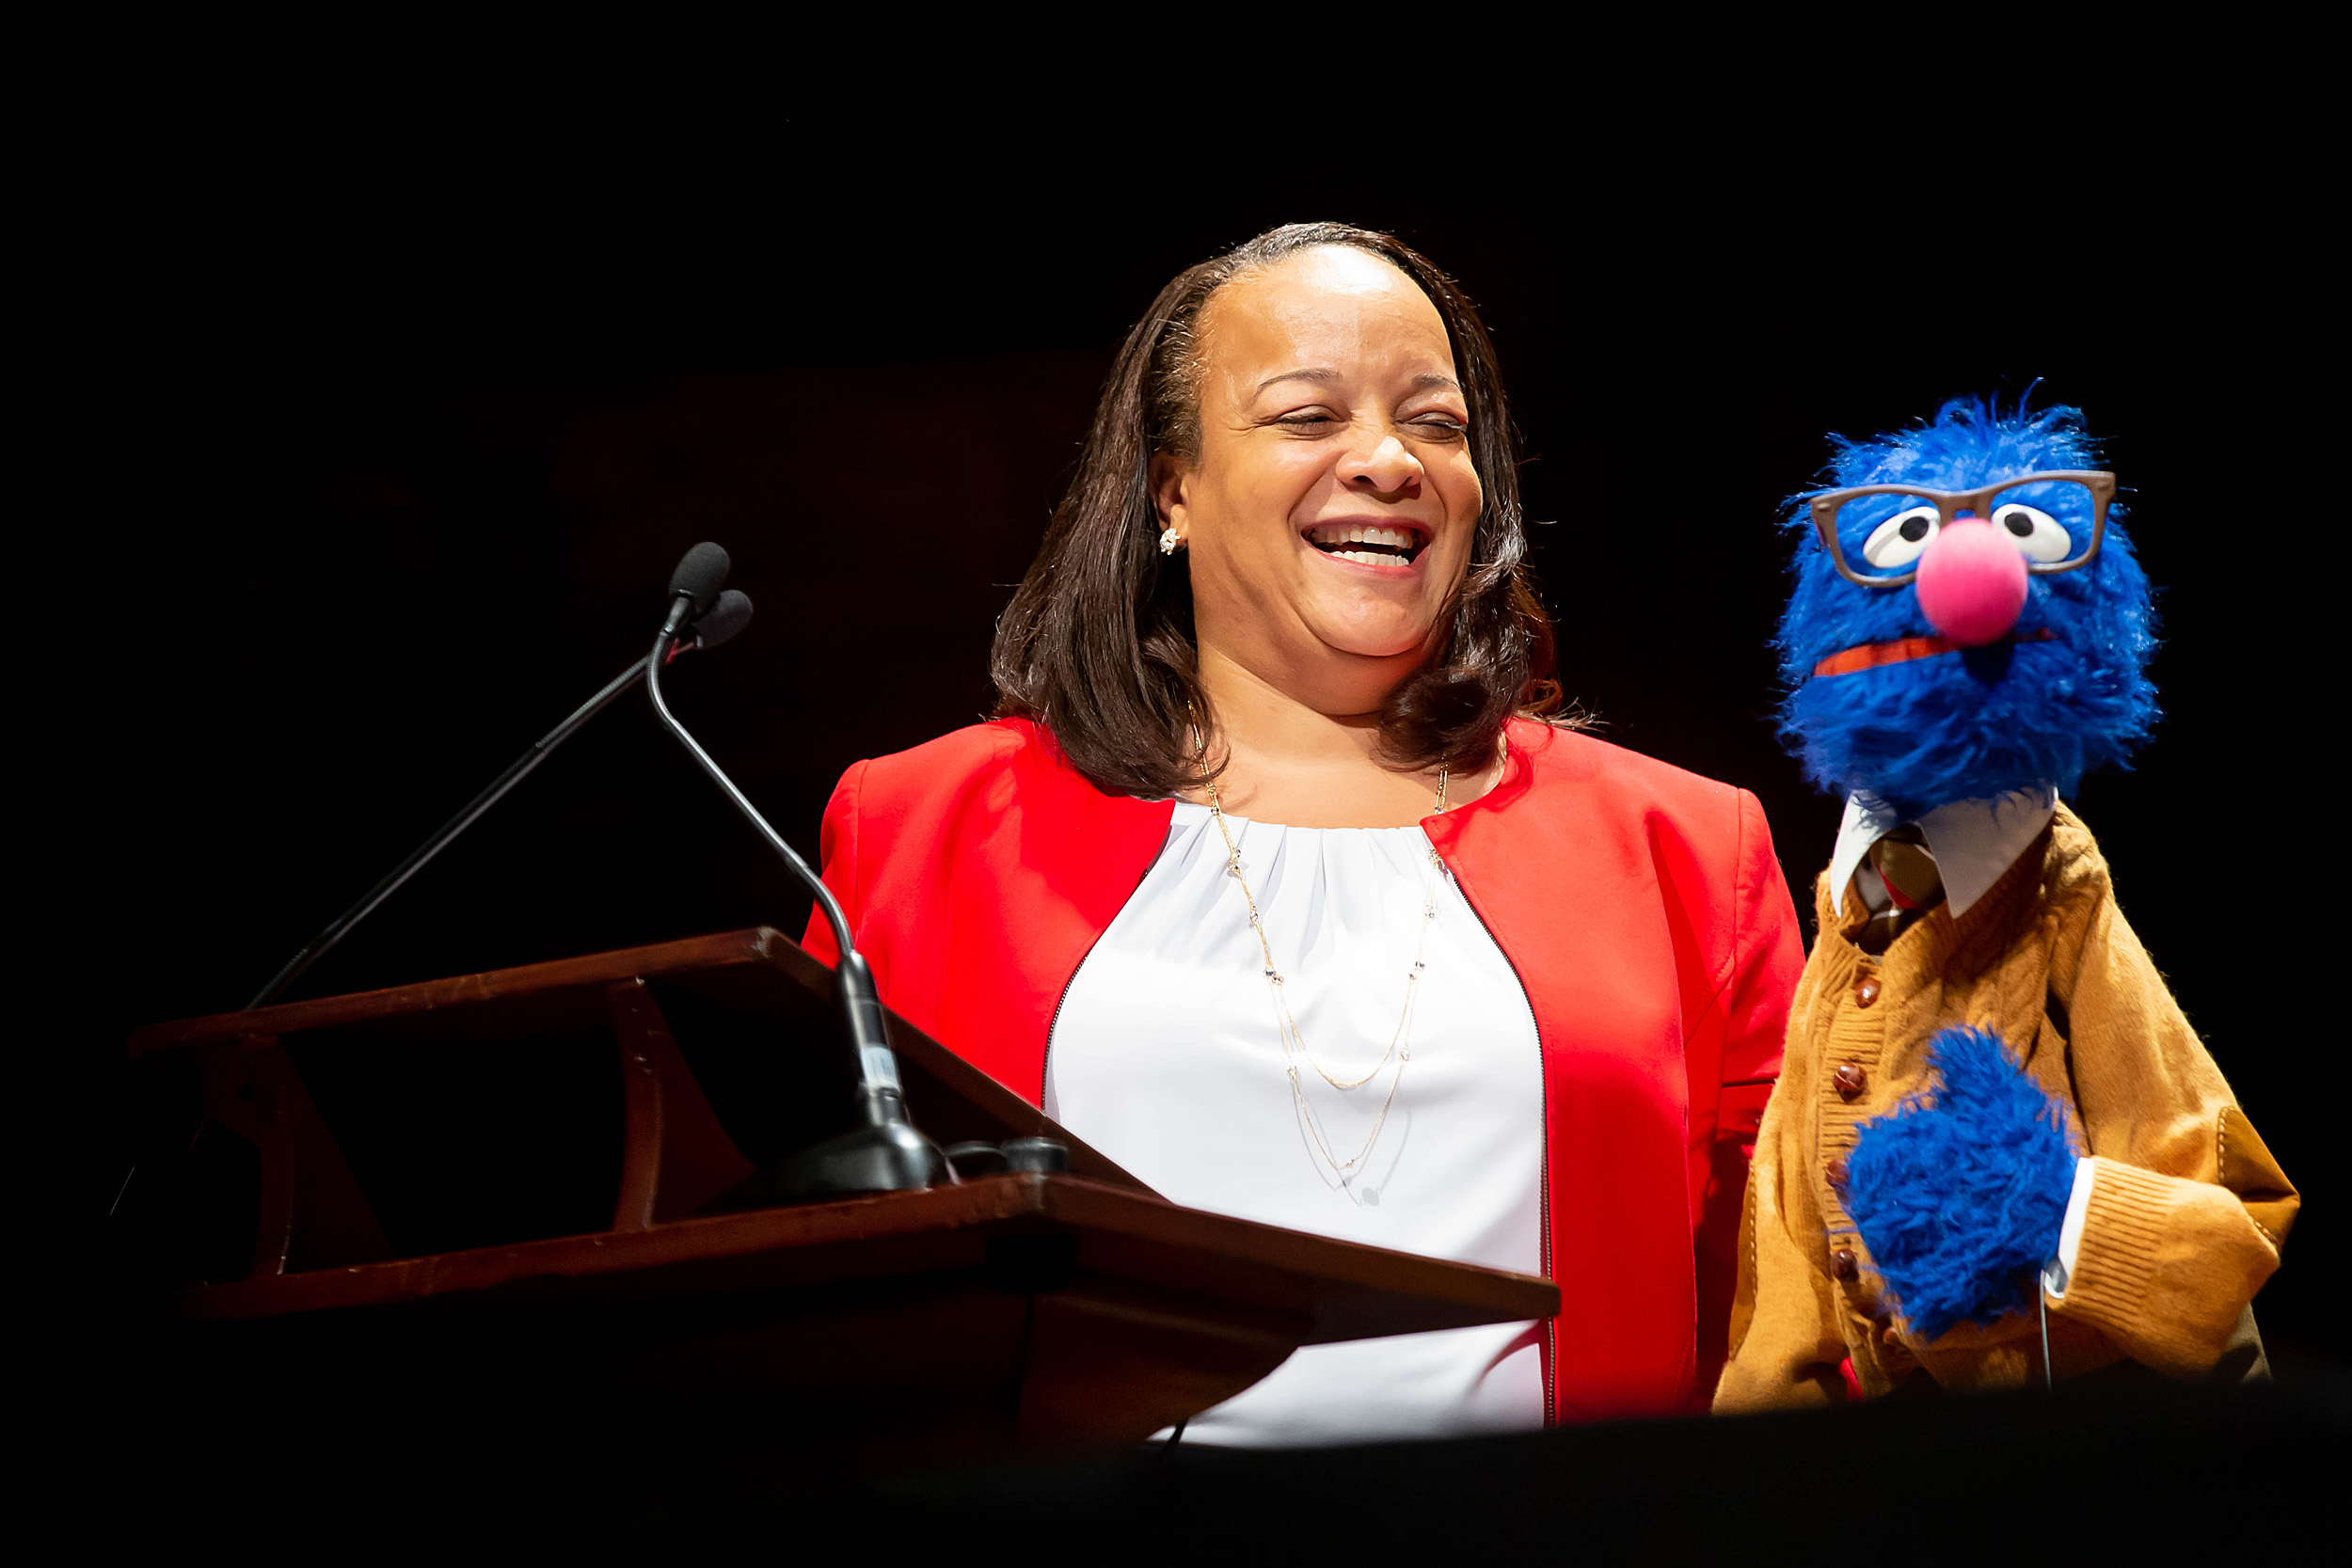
2187 1209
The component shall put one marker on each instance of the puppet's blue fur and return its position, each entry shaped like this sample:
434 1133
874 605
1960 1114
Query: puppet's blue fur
1978 723
1960 1200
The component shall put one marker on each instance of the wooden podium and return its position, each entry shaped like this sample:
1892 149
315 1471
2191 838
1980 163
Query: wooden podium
1013 1312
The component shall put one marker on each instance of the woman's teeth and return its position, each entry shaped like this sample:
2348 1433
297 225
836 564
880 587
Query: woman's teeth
1366 546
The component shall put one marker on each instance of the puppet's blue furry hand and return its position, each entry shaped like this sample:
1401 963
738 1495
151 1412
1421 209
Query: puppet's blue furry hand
1959 1193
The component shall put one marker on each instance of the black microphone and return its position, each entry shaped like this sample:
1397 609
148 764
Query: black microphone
729 615
694 598
886 1154
694 586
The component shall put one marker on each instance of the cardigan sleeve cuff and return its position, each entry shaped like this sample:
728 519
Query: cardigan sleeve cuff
2164 1266
2058 1270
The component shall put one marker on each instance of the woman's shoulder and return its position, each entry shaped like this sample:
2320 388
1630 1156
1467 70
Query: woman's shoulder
1567 765
979 760
949 762
1580 791
992 801
975 748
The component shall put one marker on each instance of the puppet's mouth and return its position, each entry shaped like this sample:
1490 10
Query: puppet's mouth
1872 656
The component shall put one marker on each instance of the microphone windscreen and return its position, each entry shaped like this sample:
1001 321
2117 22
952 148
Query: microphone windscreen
699 576
731 614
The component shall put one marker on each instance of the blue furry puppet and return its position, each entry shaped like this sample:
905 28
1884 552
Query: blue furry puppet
1998 1154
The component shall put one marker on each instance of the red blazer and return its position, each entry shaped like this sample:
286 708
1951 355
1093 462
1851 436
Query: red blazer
1641 905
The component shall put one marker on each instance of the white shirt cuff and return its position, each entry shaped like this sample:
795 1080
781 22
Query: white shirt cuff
2058 1270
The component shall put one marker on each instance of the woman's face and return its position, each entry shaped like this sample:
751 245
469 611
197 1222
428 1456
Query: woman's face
1331 511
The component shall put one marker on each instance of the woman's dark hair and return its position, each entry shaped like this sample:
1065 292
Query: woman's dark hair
1097 646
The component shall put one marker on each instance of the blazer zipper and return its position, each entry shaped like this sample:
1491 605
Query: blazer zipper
1543 1177
1046 1063
1543 1080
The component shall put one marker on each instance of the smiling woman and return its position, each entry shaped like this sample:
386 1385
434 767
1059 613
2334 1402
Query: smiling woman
1274 883
1318 387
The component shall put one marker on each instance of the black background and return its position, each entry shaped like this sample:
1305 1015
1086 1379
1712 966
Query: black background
373 462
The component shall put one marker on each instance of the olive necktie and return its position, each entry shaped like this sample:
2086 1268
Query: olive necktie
1912 887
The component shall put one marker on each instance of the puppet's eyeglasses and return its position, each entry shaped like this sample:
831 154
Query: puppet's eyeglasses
1889 526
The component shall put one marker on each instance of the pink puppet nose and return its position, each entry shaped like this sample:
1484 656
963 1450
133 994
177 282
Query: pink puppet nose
1972 582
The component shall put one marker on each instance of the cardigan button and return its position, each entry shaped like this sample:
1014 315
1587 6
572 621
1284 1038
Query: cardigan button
1843 1264
1851 1080
1837 1172
1865 990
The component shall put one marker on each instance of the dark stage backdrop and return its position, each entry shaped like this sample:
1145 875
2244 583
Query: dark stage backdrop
396 476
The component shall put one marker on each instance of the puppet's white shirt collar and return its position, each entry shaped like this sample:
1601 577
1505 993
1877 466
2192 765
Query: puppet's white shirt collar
1973 841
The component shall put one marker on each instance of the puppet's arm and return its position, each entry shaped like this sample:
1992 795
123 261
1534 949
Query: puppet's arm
2187 1209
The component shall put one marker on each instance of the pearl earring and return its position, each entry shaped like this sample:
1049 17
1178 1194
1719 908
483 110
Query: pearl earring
1170 539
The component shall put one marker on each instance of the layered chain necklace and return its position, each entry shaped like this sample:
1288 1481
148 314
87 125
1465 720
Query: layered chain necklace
1293 1045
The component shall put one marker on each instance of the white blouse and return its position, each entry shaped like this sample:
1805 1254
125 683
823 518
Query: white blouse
1167 1055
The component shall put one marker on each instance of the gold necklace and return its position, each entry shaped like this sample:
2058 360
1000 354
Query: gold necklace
1294 1044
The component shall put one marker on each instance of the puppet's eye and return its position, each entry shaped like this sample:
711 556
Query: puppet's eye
2041 536
1898 541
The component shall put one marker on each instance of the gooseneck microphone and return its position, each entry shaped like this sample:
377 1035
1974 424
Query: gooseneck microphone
886 1154
695 588
723 620
710 617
